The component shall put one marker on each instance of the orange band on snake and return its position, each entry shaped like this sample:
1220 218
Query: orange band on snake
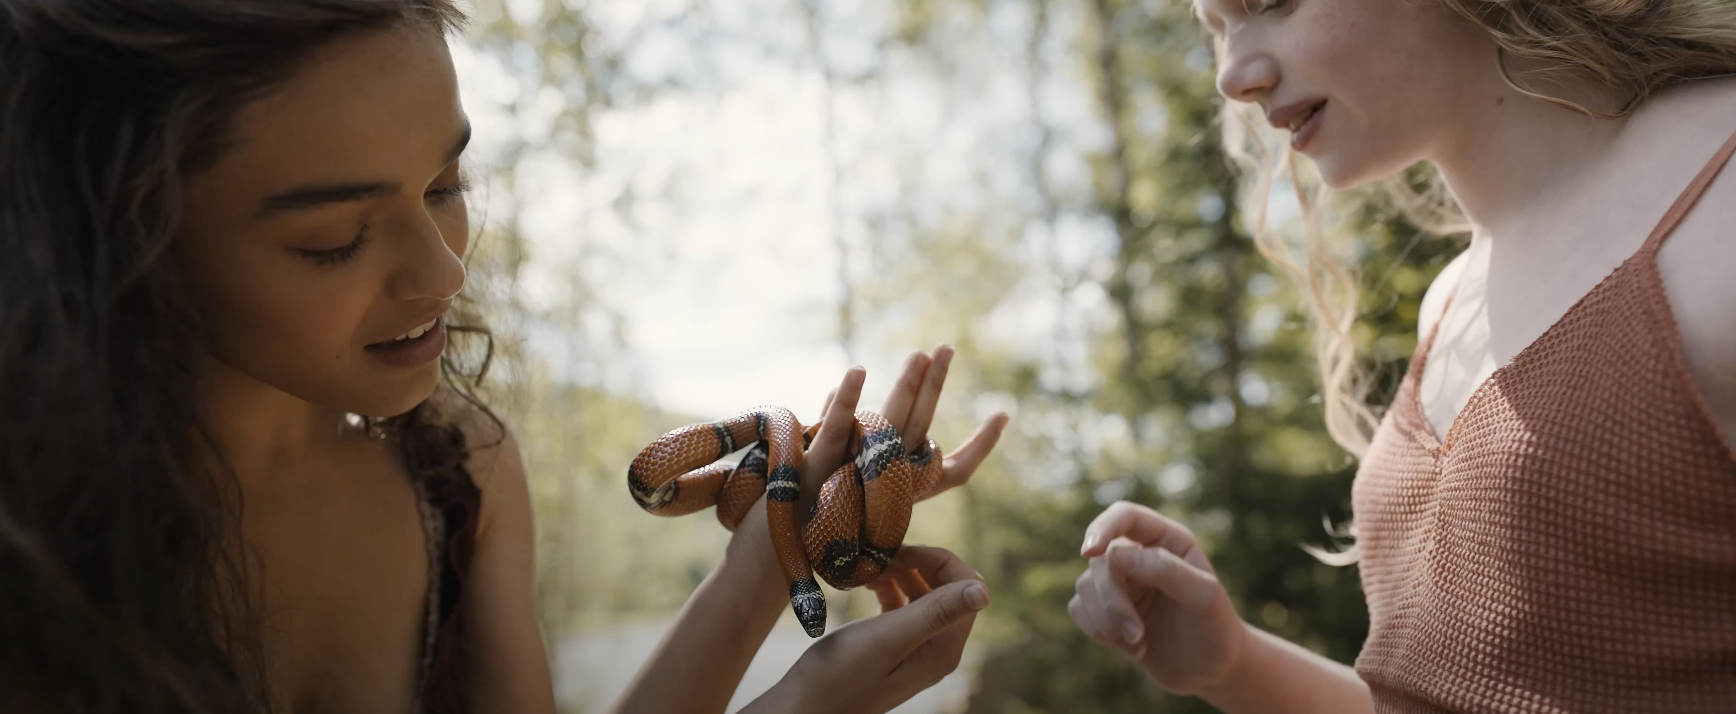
857 522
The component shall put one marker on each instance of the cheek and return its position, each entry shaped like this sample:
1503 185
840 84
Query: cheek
1385 107
305 318
278 321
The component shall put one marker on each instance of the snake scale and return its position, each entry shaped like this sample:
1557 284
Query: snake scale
856 525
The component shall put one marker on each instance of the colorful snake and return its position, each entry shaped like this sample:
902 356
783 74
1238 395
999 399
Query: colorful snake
857 523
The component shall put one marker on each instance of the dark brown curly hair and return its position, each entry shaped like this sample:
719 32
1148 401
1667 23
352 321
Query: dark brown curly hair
120 566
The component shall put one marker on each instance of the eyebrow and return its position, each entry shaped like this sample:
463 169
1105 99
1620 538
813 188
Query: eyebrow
318 195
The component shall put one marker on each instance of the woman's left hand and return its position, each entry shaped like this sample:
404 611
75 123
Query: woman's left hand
910 409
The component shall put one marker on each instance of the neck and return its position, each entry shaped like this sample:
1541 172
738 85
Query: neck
259 429
1516 152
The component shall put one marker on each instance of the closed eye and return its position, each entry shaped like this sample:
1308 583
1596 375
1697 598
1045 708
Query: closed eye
443 196
338 255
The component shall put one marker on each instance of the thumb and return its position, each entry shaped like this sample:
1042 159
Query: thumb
1194 589
910 626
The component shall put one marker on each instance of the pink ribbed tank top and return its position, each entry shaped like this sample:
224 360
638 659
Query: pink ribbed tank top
1570 545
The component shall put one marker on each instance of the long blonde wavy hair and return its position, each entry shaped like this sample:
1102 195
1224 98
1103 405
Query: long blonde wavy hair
1636 47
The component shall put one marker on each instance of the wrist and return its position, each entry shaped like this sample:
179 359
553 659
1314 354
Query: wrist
759 578
1243 668
750 564
782 698
1274 674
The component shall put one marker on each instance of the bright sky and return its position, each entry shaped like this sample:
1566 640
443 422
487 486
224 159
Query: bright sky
726 276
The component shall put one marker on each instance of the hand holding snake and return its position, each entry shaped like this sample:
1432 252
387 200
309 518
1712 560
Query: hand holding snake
863 505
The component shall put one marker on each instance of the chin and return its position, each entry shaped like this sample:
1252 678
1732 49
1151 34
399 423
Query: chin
385 399
1349 170
1340 175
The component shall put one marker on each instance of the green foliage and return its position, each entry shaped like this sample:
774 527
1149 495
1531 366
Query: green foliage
1186 382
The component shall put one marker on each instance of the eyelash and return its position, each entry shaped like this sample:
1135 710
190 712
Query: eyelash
343 254
447 195
340 254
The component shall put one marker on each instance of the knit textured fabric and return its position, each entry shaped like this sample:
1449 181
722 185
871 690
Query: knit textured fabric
1570 545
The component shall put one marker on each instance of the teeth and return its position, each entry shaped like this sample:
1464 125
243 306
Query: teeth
1299 121
418 332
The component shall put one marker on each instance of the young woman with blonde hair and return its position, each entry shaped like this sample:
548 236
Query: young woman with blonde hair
1546 513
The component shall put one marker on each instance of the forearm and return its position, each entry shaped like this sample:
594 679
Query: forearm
780 699
1278 676
701 659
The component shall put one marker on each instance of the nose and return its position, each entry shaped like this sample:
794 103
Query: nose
430 267
1245 73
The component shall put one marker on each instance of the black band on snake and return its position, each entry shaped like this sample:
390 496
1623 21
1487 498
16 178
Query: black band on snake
857 523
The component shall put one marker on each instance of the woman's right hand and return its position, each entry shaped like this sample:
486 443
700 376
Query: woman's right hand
928 601
1150 592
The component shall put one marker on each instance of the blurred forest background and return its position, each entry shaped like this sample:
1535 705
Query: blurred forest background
689 207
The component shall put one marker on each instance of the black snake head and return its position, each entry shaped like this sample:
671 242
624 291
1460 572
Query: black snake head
810 606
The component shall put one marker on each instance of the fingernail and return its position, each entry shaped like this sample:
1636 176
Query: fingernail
1130 632
976 596
1090 542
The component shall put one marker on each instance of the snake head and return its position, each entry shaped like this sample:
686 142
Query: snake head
810 606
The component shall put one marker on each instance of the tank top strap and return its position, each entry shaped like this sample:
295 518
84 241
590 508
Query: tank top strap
1689 197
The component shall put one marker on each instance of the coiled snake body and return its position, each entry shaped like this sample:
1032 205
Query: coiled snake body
857 523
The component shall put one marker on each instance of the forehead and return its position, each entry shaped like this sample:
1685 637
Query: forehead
360 106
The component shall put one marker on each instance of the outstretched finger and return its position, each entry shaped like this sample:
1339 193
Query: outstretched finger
904 394
915 431
827 451
960 465
827 406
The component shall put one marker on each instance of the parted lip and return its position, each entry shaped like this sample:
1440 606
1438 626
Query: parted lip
1281 117
420 321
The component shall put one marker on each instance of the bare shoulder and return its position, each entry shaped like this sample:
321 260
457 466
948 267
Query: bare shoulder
505 655
1696 265
493 461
